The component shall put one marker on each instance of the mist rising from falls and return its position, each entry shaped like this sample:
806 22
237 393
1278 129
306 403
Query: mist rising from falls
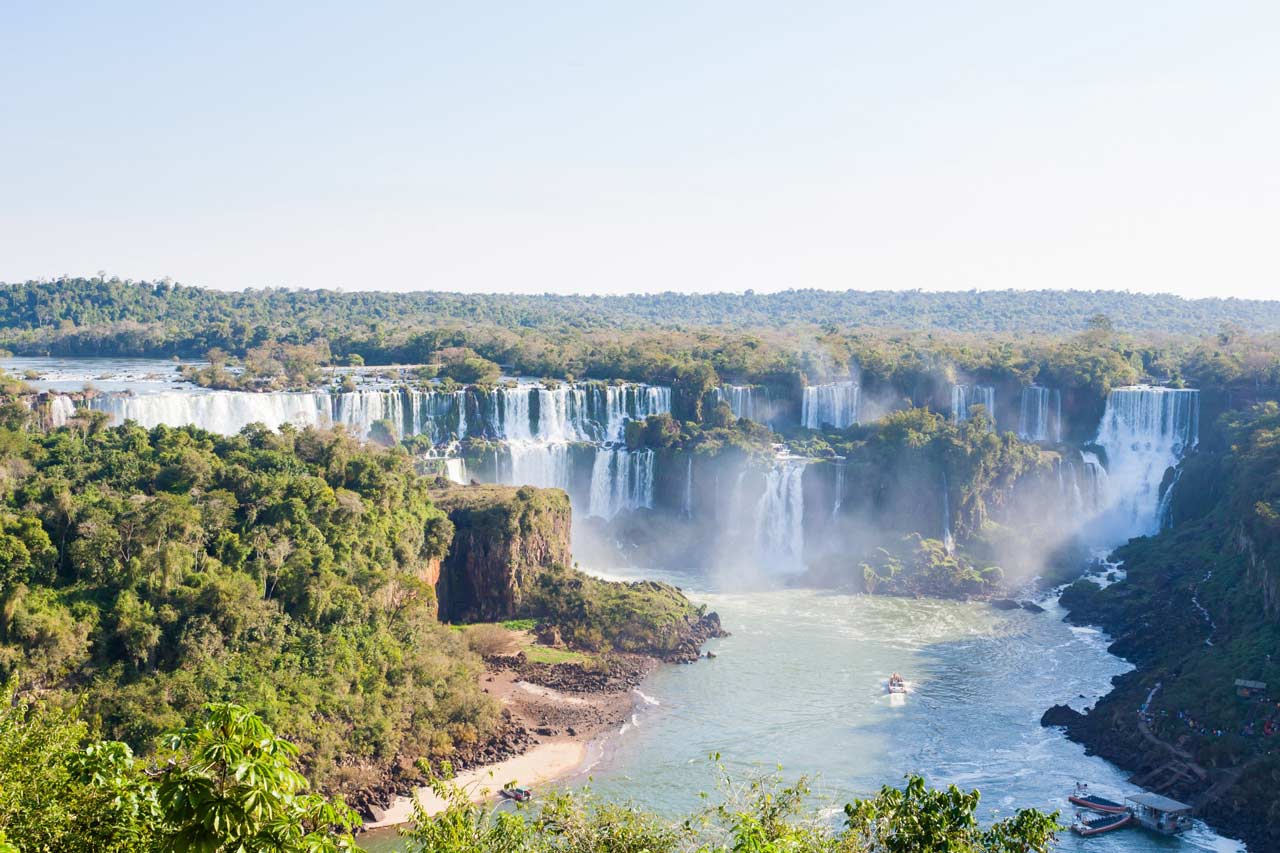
620 480
1040 414
1145 430
834 404
964 396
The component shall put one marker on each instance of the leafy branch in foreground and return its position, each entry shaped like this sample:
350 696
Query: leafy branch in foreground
761 815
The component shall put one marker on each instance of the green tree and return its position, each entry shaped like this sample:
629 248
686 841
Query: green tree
230 785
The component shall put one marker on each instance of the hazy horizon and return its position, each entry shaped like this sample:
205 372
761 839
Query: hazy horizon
716 147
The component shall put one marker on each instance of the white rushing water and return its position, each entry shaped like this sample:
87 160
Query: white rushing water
534 463
834 404
948 540
1145 430
964 396
1040 414
620 480
780 517
747 401
687 501
524 412
61 409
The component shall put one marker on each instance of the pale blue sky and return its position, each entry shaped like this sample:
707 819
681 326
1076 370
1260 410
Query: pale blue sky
615 147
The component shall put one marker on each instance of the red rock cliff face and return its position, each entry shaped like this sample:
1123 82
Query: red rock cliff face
503 538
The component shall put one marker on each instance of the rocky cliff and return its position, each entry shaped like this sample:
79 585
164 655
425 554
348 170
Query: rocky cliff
503 538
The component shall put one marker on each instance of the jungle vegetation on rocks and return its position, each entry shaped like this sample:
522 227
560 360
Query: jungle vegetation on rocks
1198 610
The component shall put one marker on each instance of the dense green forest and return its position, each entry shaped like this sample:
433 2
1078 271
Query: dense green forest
1071 339
146 573
151 572
96 302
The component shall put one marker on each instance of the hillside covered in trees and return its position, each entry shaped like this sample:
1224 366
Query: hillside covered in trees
160 316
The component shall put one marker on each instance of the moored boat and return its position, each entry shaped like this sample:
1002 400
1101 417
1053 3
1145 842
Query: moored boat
1160 814
1083 798
520 795
1098 825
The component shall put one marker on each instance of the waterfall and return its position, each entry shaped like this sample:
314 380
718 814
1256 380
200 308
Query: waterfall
614 405
948 541
839 498
964 396
620 480
1040 415
747 401
780 516
225 412
525 412
1095 479
535 463
688 487
1164 512
835 404
1145 430
61 409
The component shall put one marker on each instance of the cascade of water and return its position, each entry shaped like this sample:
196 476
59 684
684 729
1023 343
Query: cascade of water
688 487
1145 430
780 516
622 403
746 401
61 409
522 413
535 463
225 412
948 541
1095 479
620 480
456 470
964 396
839 499
1040 414
1164 513
835 404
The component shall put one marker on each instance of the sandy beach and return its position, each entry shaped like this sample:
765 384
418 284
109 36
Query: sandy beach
562 723
546 762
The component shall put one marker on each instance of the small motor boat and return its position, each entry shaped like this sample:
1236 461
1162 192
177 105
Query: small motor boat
1098 825
520 795
897 684
1081 797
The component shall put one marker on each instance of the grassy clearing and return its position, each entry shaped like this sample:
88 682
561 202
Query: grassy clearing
515 635
547 654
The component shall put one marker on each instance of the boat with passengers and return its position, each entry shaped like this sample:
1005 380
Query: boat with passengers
1085 798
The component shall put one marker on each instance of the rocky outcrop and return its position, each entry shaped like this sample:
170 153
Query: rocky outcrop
694 634
503 538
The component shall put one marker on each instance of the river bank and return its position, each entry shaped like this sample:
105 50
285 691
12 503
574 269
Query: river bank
1176 722
558 710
